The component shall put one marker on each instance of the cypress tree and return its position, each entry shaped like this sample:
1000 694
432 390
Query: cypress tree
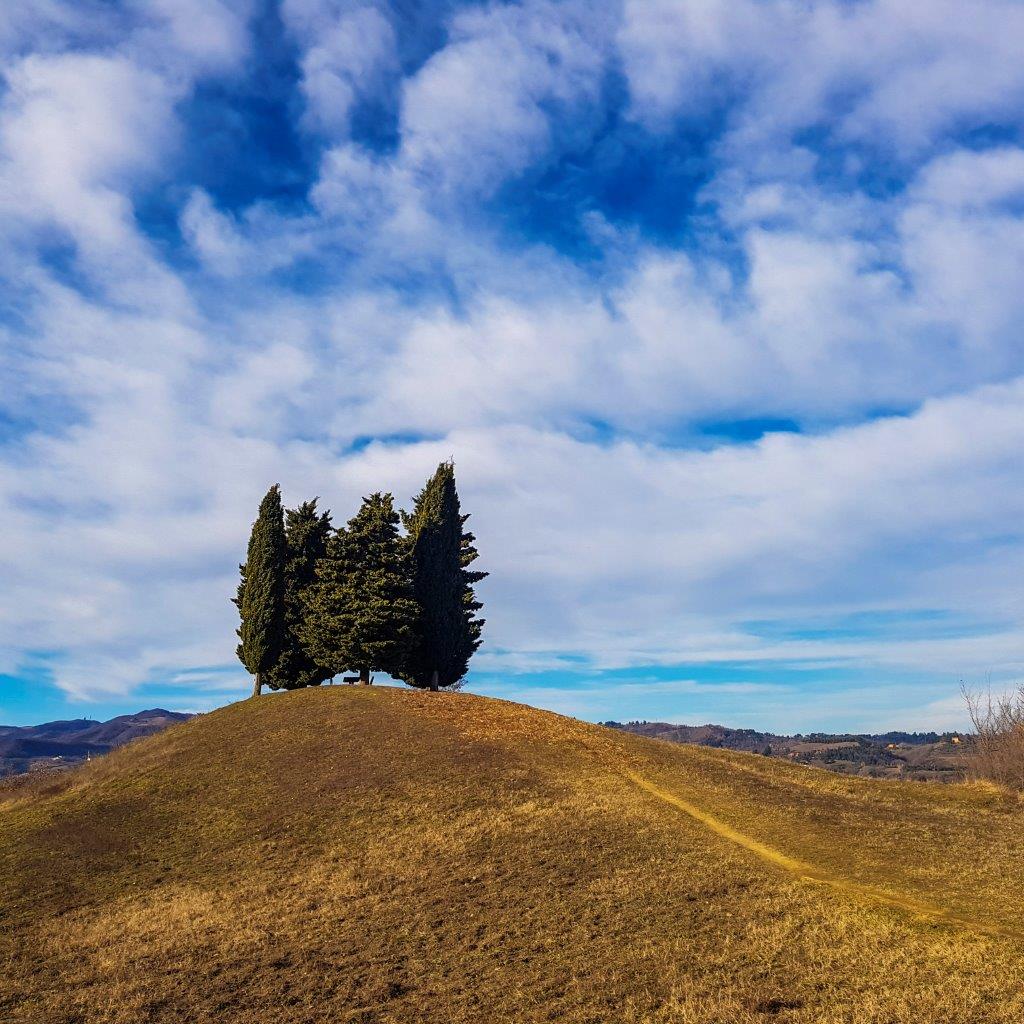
448 630
260 597
306 535
361 613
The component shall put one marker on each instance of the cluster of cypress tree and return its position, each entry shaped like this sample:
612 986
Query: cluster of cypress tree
315 601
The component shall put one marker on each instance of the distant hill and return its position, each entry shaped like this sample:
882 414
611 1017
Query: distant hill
376 855
919 756
56 745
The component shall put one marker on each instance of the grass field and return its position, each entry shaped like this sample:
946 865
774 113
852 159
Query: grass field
380 855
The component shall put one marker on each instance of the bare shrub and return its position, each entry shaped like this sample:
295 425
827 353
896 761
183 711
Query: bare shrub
996 751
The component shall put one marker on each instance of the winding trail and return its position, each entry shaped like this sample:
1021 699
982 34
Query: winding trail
810 873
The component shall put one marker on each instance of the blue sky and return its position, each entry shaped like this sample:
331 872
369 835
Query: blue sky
716 304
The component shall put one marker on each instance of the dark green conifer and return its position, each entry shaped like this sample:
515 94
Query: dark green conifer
448 630
260 597
306 534
361 614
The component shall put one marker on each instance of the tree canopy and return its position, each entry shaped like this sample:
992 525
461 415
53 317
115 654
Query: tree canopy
260 597
441 551
361 613
306 533
316 601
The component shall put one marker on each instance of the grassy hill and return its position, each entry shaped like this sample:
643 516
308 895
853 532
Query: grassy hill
379 855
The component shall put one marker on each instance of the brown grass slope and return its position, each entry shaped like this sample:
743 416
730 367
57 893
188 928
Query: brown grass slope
378 855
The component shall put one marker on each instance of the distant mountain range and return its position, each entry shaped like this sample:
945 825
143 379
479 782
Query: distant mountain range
907 755
924 756
59 744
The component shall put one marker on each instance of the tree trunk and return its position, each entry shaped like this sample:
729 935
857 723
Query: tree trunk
433 682
257 686
364 677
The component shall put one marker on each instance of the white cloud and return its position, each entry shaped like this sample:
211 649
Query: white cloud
971 179
513 85
355 186
354 57
886 73
571 395
77 132
75 122
191 36
214 237
963 242
628 554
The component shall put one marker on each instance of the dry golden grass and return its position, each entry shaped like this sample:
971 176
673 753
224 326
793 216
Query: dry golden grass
394 856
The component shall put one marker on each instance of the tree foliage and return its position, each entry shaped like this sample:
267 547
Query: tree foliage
306 533
441 551
361 613
315 602
260 597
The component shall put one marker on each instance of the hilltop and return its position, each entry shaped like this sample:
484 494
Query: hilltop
66 743
379 855
917 756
